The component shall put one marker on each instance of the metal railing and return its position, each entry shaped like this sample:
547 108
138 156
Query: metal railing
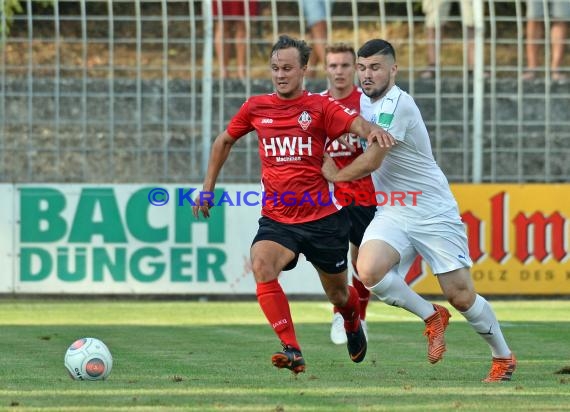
129 91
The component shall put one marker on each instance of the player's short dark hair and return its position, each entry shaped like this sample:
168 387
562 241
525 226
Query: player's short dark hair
376 47
340 48
285 42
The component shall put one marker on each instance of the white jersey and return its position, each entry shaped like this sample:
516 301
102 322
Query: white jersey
409 166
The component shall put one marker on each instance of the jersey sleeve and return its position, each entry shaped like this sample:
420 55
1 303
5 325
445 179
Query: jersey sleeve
338 118
403 116
240 124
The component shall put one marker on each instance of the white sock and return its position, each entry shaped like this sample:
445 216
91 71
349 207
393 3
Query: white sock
482 318
394 291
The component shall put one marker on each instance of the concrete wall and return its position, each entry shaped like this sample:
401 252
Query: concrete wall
119 131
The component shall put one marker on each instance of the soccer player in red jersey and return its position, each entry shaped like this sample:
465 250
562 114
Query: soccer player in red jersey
340 61
292 128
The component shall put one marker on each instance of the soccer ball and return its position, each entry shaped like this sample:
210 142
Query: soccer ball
88 359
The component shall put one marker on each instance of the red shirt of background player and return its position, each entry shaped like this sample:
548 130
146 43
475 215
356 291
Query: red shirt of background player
343 157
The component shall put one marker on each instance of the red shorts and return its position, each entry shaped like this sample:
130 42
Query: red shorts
235 7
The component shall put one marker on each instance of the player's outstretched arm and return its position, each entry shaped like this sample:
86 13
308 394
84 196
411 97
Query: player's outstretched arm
362 166
372 132
218 156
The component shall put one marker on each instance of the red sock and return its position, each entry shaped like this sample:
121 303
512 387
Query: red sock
351 311
275 306
363 296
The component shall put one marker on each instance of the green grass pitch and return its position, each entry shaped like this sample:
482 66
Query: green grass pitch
215 356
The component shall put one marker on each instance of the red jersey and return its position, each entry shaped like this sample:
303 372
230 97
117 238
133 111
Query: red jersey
235 8
343 157
292 136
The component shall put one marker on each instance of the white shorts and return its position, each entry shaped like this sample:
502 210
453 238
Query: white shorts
438 11
441 240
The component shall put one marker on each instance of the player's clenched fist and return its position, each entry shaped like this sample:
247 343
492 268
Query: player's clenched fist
201 205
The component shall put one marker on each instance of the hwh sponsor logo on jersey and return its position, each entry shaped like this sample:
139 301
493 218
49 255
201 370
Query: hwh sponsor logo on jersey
287 146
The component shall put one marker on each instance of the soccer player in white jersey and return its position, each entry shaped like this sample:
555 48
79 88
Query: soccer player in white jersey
432 227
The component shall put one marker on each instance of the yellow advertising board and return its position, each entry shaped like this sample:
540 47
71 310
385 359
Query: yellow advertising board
518 240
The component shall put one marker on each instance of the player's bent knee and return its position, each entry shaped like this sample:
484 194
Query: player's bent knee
263 271
369 275
369 280
461 299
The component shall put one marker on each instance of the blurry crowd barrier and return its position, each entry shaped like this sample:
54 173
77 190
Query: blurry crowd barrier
130 91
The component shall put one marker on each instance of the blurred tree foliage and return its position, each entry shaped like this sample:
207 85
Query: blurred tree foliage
8 8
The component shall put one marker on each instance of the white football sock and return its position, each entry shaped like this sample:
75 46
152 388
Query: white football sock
482 318
394 291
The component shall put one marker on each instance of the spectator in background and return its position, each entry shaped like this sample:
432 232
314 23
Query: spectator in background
437 12
231 25
559 12
315 12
